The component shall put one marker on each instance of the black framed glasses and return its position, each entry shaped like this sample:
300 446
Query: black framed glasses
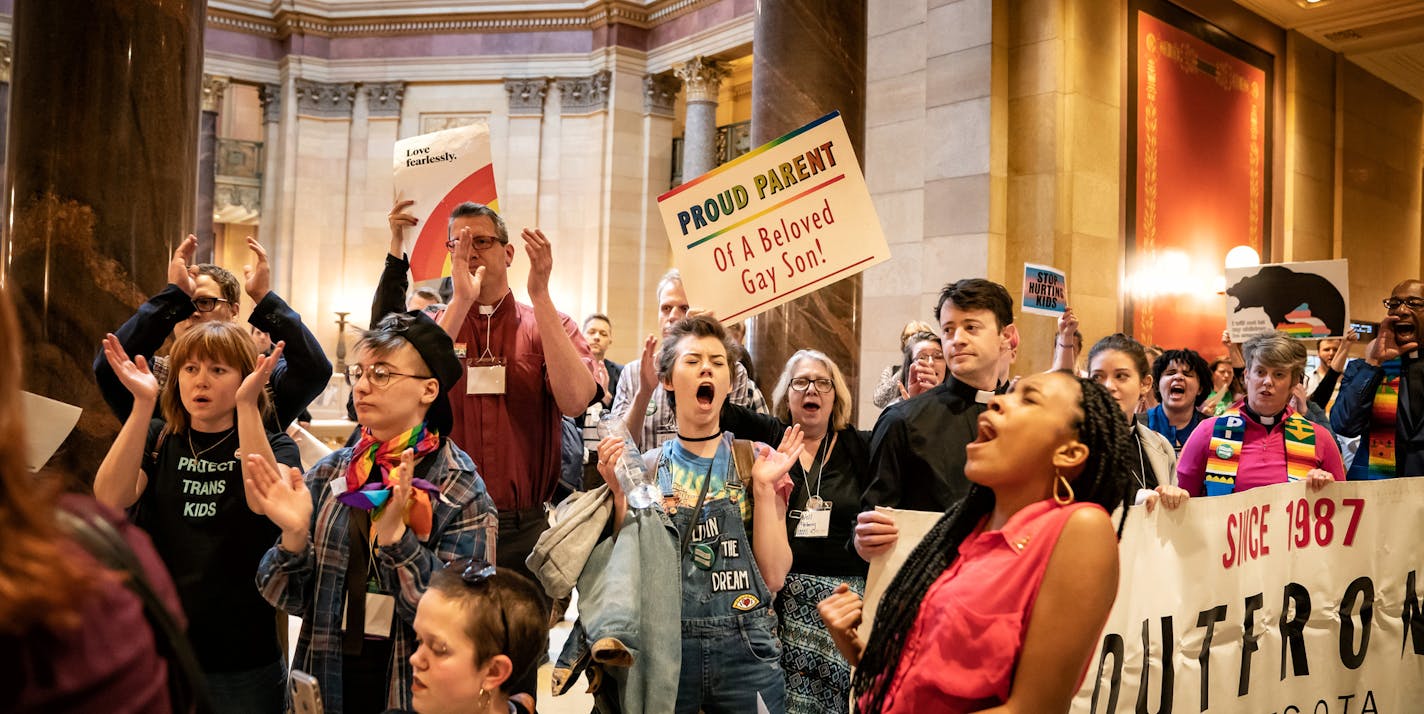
801 384
1413 303
379 376
482 243
208 304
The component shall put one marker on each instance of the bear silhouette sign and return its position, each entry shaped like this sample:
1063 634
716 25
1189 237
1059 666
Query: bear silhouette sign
1306 300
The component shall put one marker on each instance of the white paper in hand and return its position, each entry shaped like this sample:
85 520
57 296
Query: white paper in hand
50 421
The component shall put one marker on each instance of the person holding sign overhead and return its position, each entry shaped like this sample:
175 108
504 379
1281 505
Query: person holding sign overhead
1382 396
1002 603
1263 441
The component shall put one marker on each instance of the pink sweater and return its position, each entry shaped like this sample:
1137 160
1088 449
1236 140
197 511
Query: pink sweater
1263 455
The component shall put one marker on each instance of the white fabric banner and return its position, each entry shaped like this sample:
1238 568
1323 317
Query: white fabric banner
1275 600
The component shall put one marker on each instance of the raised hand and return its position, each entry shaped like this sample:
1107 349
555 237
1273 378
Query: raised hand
258 275
1387 346
391 525
771 465
1067 325
253 384
180 266
922 379
466 284
541 262
284 498
134 373
647 367
400 220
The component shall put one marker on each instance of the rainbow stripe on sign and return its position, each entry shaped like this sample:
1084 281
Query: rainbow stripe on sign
749 155
1301 324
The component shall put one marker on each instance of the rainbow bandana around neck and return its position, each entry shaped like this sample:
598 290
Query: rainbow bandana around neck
1224 456
1380 438
384 456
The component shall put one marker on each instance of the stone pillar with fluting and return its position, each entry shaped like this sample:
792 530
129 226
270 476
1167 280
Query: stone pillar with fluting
213 89
103 138
798 76
701 79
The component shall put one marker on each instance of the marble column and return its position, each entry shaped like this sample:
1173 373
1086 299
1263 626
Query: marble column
101 176
701 78
5 58
270 96
809 60
213 88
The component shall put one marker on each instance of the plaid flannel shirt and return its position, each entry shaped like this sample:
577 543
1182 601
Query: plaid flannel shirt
312 584
660 422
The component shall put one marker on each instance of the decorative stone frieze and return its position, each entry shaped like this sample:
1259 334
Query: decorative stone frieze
526 96
271 97
584 95
213 89
383 99
660 93
325 100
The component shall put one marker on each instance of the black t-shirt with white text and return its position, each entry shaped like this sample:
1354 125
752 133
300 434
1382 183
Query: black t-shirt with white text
195 510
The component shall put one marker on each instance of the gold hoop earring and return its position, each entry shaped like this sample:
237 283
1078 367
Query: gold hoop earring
1063 482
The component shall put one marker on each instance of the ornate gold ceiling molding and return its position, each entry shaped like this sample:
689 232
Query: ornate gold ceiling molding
284 23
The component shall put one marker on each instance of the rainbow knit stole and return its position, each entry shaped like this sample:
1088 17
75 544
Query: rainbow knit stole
383 457
1224 453
1378 462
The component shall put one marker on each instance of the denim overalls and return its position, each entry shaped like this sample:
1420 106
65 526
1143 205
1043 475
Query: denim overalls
730 650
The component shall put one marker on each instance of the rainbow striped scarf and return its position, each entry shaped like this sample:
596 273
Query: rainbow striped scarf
1375 460
1224 453
384 457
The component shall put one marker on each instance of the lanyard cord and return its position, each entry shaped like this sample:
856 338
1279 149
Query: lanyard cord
1141 463
489 320
821 471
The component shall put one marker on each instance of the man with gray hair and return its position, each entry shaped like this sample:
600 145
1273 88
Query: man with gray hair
641 400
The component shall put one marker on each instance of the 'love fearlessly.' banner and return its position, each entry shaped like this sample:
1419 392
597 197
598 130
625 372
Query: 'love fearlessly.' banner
1275 600
785 219
439 171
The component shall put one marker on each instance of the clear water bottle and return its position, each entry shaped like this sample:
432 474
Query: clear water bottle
638 485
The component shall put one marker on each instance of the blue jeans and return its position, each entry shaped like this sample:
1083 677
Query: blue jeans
254 691
727 662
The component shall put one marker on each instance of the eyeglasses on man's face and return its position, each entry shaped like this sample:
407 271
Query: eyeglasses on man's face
801 384
379 376
208 304
481 243
1413 303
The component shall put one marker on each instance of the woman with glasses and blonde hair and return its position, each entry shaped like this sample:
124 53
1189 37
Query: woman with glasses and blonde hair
831 474
181 474
479 629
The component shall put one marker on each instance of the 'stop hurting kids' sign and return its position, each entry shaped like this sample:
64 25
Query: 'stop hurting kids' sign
786 219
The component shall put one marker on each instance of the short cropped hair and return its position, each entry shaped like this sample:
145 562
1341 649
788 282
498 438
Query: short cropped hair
227 282
504 614
426 292
1193 361
694 326
670 277
1275 349
978 294
470 209
597 316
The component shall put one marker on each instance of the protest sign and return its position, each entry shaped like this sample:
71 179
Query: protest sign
1307 301
913 526
440 171
1275 600
58 419
1045 290
781 221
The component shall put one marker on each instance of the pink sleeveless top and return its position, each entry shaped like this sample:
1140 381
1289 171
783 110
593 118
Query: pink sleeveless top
962 650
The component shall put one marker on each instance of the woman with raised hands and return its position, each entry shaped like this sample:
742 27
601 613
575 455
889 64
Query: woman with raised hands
182 476
1000 606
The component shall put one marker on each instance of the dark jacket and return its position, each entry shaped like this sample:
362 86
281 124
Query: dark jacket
1352 414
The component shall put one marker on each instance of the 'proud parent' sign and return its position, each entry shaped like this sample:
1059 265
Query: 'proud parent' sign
785 219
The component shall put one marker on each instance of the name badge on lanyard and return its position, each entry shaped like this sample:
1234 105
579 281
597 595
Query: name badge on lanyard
485 376
815 520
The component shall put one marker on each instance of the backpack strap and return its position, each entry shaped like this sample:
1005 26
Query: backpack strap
187 687
743 456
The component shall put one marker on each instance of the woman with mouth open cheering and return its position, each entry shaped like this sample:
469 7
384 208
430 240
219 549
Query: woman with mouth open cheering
1031 547
730 518
834 469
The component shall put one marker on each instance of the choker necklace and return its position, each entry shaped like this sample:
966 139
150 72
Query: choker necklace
699 438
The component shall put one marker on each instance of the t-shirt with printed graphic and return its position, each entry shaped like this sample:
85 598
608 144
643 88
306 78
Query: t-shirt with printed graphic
688 470
195 510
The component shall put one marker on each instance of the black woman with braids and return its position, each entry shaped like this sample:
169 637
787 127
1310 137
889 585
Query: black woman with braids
1018 578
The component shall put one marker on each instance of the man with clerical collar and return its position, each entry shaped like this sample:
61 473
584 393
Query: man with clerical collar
917 449
1382 396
